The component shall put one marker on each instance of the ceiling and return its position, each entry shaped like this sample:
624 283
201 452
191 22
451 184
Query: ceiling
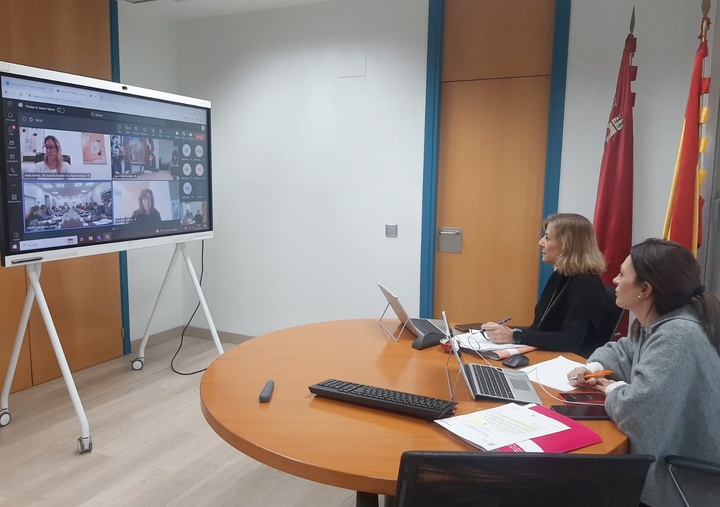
191 9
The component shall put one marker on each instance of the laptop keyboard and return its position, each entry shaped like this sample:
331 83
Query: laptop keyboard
425 326
492 382
413 405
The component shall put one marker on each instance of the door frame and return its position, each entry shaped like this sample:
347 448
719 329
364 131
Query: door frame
122 256
432 137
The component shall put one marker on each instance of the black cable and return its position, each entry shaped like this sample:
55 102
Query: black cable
182 335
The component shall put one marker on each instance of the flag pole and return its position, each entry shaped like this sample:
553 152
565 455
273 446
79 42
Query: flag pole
683 221
614 200
704 27
632 34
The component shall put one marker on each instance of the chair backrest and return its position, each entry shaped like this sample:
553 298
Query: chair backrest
700 479
455 479
607 328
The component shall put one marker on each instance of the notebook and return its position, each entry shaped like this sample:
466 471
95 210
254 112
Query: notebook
429 332
484 381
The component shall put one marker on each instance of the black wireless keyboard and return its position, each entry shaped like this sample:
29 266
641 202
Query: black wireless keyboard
399 402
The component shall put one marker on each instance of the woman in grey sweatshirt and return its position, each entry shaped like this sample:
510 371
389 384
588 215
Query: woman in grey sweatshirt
665 390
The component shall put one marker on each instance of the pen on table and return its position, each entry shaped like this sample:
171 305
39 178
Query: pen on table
603 373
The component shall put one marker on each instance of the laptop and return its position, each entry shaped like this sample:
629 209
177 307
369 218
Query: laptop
428 332
490 382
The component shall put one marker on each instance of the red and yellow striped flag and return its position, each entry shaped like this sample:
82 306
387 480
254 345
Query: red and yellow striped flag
683 222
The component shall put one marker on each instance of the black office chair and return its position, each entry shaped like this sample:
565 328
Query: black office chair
612 319
463 479
703 473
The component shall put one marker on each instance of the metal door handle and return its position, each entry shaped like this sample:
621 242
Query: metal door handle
449 240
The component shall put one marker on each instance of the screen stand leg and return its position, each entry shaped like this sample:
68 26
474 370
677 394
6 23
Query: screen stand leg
35 293
138 362
363 499
386 330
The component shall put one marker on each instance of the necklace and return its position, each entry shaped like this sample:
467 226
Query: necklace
553 299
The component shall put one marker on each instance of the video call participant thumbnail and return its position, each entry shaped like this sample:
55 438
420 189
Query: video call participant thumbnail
53 162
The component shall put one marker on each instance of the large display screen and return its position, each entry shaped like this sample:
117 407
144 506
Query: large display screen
91 166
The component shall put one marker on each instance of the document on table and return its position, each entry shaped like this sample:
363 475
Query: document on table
478 342
553 373
500 426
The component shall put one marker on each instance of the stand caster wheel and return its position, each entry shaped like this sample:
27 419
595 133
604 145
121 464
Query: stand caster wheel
84 445
4 418
137 364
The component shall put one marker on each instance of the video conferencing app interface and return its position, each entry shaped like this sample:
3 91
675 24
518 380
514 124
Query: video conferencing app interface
83 165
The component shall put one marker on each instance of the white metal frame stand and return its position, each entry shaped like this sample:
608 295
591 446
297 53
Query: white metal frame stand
35 292
138 362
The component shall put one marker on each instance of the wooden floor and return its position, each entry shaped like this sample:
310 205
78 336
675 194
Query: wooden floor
151 444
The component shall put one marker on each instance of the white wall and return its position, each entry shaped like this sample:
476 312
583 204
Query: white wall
309 166
667 40
148 58
309 163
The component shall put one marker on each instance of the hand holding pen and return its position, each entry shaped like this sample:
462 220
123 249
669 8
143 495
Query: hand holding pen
497 332
596 374
583 377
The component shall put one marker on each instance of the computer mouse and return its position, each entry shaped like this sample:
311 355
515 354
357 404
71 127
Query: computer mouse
516 361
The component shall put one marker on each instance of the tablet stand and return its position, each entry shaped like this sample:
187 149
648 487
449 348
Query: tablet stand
451 387
35 292
387 331
138 362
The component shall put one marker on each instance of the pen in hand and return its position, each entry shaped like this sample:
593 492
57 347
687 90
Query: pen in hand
481 330
597 374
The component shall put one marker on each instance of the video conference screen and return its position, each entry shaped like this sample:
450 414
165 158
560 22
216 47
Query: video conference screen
92 166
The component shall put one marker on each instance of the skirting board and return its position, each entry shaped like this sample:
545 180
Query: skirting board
195 332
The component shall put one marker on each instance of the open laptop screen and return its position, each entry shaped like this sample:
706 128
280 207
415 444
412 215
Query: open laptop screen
455 348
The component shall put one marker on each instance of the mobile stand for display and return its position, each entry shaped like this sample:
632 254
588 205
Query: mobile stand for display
387 331
35 292
138 362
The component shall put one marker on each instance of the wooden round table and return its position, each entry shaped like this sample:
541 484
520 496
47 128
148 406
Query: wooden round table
332 442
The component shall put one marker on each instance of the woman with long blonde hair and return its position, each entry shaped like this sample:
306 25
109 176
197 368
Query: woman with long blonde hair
53 161
575 301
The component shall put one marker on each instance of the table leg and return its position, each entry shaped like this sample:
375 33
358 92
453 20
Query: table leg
363 499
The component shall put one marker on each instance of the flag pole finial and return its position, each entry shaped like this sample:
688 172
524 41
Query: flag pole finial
632 19
705 25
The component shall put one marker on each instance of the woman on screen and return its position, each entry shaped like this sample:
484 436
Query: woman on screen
146 215
53 161
575 301
175 165
664 393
